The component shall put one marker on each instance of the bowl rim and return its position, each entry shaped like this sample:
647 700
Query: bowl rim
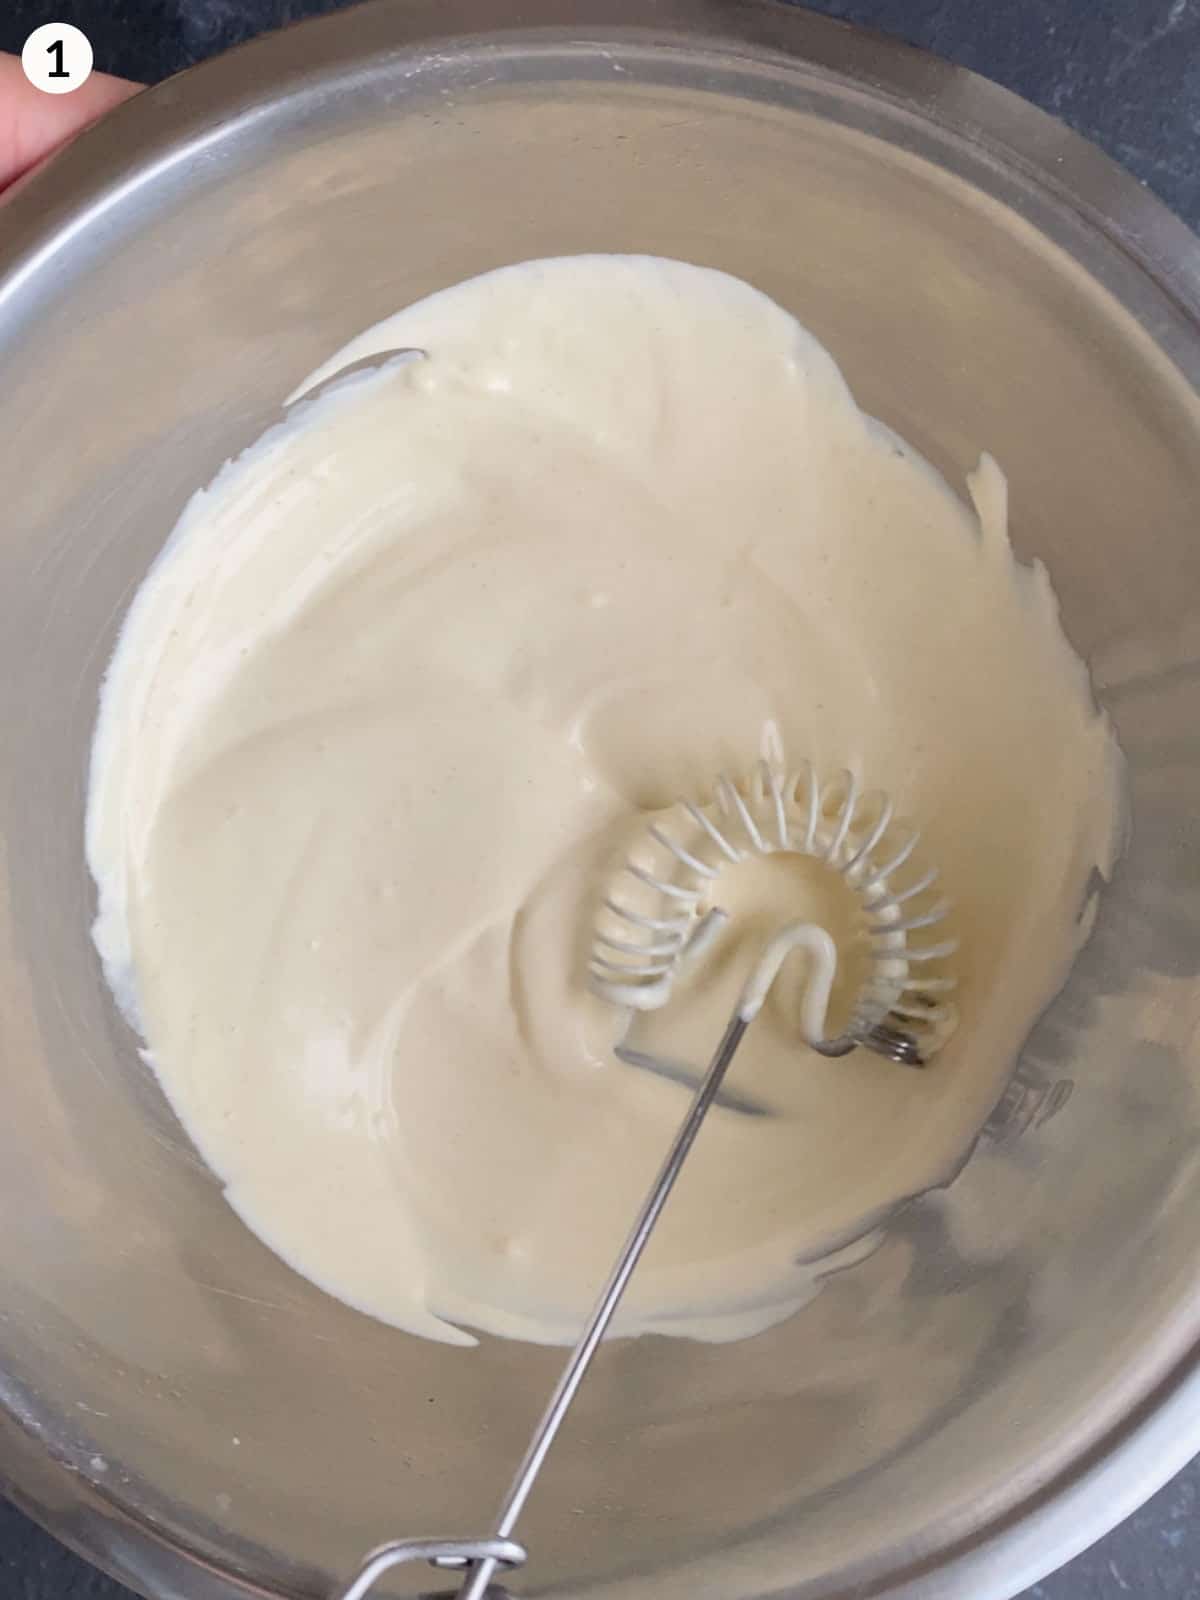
1069 190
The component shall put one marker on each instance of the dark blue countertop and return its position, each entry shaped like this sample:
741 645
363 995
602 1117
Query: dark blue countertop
1124 72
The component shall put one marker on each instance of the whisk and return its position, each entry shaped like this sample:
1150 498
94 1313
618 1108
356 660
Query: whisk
655 924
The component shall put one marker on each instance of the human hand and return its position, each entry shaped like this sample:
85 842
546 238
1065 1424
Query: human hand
33 124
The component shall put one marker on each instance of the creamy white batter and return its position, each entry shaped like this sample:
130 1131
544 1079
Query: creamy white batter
393 693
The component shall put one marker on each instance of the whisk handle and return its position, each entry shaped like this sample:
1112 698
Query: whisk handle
481 1574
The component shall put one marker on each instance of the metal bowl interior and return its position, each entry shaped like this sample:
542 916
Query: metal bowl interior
1012 1370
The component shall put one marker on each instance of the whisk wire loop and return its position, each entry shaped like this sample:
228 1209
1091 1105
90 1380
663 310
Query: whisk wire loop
647 927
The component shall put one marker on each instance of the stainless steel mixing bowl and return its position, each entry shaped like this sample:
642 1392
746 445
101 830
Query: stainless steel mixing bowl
1017 1366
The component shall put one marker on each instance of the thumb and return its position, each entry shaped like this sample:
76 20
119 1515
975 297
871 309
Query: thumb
32 123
